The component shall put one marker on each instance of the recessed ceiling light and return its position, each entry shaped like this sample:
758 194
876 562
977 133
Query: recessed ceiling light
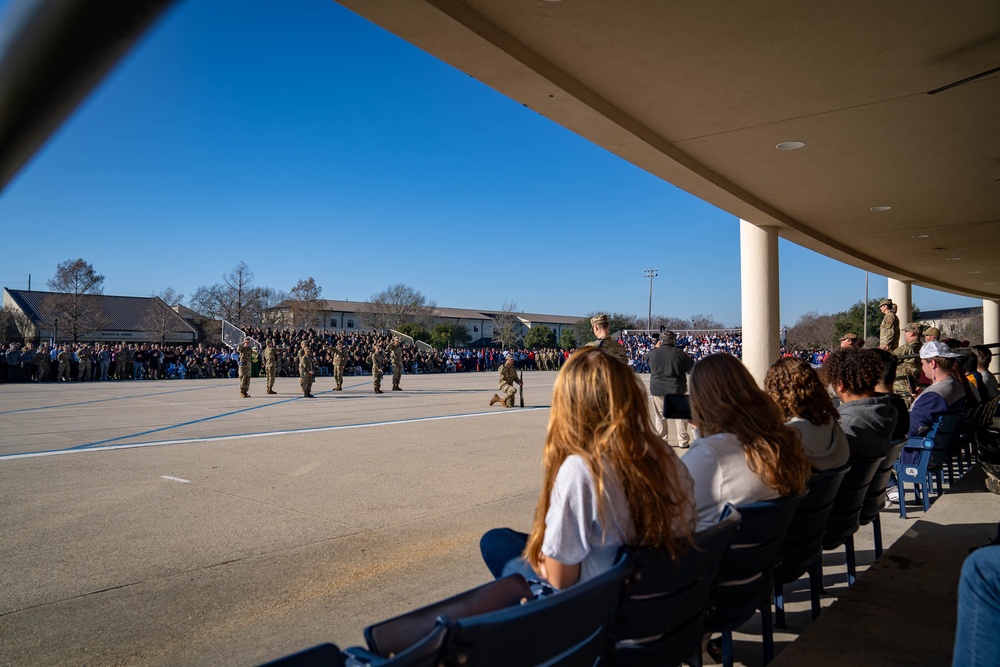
975 271
952 259
789 145
989 283
920 236
880 208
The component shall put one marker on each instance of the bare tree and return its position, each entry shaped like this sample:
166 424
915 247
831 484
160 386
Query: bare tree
267 301
703 322
15 324
813 331
395 305
506 324
234 299
303 300
75 305
159 319
169 296
963 328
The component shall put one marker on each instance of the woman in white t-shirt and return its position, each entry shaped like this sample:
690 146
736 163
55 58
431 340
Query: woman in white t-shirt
744 451
608 480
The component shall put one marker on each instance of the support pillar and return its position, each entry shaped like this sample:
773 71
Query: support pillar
991 331
901 294
760 298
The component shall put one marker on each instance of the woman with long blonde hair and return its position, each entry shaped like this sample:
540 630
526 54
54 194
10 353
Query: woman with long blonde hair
608 480
744 453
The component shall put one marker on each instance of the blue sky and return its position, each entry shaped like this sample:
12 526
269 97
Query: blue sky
307 142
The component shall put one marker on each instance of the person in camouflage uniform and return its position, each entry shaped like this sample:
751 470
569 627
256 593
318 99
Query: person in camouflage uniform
244 372
339 361
64 359
42 362
908 370
397 363
306 370
270 365
600 324
888 331
377 362
505 383
83 372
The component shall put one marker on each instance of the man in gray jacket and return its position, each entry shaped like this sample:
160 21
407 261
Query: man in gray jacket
668 368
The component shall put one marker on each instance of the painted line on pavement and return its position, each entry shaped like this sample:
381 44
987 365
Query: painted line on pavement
175 479
104 400
261 434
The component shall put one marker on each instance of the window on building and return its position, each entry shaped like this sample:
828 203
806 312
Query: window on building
333 321
475 327
350 324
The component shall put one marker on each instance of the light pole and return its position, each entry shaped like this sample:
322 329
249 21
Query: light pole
650 273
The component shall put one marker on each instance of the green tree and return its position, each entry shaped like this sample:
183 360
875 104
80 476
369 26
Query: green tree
449 335
567 341
540 336
414 331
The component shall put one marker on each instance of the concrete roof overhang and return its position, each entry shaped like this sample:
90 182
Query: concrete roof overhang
700 93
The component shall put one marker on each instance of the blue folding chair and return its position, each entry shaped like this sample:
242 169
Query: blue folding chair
567 629
933 452
803 546
418 637
871 508
845 515
661 620
745 578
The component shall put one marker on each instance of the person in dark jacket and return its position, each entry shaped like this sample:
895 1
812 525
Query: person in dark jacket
668 368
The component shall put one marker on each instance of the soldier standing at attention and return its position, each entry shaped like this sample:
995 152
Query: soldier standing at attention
907 371
83 354
377 362
397 363
64 358
888 331
600 325
42 361
339 361
270 365
508 378
306 370
244 372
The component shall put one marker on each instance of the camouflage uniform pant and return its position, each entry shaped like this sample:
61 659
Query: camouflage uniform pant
244 380
84 372
902 387
509 391
63 373
377 379
338 375
397 375
271 371
306 382
42 374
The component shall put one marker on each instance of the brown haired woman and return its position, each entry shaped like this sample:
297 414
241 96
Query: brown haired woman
796 388
745 452
608 480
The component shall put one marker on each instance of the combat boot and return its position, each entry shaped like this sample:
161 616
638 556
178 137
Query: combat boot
494 400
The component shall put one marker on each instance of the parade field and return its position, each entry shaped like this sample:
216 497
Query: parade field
175 523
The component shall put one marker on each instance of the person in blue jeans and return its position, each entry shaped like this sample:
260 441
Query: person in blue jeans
608 480
977 635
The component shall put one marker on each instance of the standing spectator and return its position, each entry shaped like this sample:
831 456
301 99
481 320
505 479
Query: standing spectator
104 362
668 367
888 331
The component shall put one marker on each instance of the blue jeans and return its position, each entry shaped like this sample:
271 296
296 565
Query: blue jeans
977 637
502 549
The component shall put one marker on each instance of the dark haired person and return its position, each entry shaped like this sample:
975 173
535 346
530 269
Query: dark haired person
867 418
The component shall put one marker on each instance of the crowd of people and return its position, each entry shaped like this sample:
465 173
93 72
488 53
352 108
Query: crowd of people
696 344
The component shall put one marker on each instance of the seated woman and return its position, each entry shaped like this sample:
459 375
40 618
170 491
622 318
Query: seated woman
795 387
608 480
867 418
745 452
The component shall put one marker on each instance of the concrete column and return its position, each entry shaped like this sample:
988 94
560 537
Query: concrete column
901 294
991 331
760 298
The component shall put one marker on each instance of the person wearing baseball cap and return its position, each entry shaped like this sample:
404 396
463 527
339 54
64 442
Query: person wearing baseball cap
907 371
601 325
931 333
888 331
849 340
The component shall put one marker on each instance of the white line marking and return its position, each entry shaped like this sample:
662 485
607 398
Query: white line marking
175 479
218 438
